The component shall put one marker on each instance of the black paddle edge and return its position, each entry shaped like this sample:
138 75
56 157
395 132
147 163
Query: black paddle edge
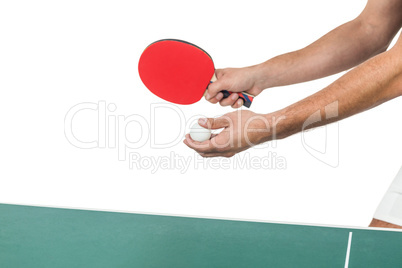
181 41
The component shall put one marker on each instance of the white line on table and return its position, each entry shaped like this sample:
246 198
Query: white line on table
348 250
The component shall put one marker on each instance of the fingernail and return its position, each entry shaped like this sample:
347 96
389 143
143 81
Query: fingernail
219 96
202 121
207 96
234 96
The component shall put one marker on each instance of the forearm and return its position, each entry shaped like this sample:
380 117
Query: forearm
370 84
341 49
344 47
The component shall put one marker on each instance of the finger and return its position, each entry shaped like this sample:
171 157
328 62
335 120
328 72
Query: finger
216 87
214 123
215 99
213 89
194 143
238 103
203 148
200 147
209 155
229 101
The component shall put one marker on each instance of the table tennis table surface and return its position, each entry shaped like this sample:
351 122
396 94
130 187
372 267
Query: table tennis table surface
56 237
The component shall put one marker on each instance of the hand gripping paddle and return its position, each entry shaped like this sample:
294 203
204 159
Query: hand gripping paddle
179 72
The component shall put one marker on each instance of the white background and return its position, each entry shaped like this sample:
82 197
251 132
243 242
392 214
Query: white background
57 54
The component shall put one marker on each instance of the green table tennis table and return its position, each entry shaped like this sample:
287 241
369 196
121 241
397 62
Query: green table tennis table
55 237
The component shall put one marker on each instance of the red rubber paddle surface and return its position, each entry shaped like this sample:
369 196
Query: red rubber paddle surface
176 71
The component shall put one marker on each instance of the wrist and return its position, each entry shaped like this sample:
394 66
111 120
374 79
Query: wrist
268 72
261 76
281 125
265 127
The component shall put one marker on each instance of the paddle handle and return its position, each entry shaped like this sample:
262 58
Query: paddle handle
247 98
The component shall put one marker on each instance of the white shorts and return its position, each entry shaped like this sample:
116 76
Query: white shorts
390 208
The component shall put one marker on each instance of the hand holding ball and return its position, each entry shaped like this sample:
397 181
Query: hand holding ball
199 133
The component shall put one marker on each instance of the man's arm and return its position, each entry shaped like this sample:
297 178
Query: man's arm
344 47
368 85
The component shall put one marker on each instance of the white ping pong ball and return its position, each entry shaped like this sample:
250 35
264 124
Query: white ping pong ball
199 133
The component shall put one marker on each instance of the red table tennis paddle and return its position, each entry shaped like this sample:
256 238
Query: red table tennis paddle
179 72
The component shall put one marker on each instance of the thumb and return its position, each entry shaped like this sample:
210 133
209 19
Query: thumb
213 89
217 86
214 123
